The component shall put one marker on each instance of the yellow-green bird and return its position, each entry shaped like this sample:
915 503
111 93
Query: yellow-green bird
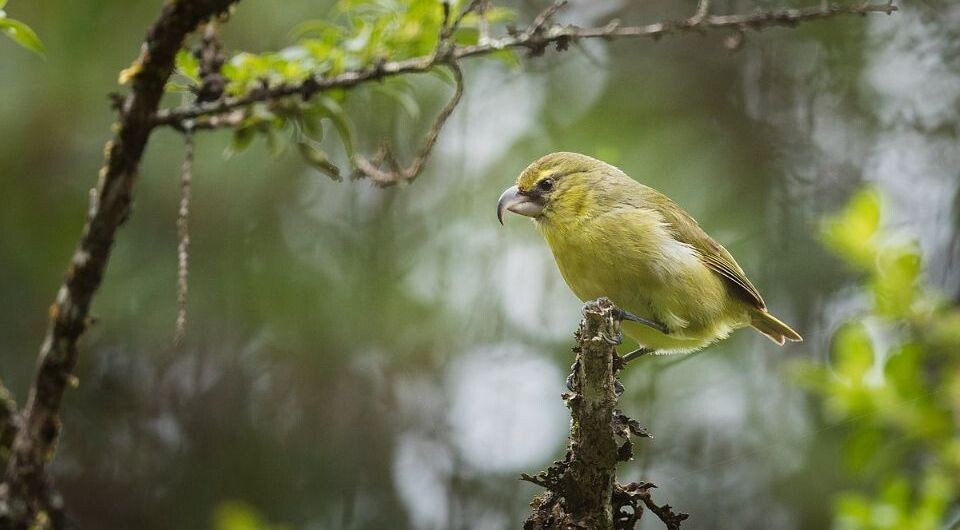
613 236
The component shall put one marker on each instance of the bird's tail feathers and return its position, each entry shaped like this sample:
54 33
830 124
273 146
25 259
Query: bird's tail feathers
773 328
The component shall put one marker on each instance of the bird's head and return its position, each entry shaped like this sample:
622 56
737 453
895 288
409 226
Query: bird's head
556 184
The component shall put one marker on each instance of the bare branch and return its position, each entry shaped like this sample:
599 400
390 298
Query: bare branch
373 168
531 40
36 440
703 9
544 16
665 513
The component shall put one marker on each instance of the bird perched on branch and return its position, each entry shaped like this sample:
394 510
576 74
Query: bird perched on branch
612 236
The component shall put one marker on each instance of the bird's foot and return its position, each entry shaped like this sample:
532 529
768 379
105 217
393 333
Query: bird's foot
572 377
616 340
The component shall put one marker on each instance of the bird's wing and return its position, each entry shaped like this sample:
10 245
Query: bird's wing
686 230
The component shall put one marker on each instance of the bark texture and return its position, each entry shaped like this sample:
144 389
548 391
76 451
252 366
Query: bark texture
582 489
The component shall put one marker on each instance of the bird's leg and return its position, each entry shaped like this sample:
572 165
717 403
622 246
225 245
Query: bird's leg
626 315
639 352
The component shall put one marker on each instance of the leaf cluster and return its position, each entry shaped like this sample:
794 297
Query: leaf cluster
893 381
359 35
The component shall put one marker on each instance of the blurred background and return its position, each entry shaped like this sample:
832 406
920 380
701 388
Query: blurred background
360 358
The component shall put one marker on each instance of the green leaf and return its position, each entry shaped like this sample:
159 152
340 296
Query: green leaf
443 74
319 159
508 58
852 233
242 137
234 515
188 65
403 98
853 352
22 35
341 121
894 284
904 371
237 516
861 447
276 144
311 124
316 28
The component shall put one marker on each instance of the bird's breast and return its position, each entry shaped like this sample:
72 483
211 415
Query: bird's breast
630 257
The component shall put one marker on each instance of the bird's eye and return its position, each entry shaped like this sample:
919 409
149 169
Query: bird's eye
545 185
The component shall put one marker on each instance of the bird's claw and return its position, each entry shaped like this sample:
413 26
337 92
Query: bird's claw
616 340
571 378
618 388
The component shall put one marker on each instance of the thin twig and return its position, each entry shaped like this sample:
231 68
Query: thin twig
544 16
549 34
373 168
183 236
671 519
484 24
446 29
703 9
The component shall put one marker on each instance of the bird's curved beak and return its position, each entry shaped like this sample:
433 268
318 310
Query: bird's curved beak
514 201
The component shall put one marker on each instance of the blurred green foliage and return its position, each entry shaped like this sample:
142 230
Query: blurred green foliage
334 329
360 34
241 516
893 381
19 32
